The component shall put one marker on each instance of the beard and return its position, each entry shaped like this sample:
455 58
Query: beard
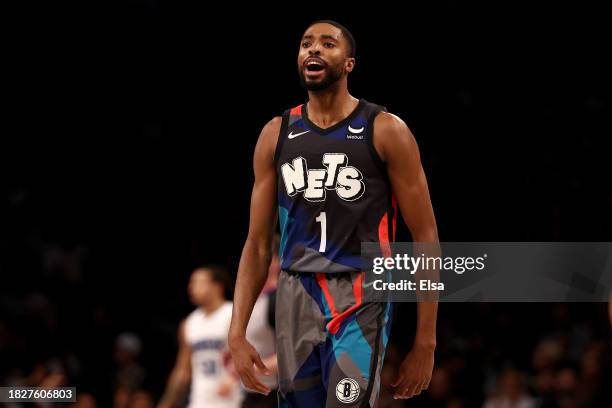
332 75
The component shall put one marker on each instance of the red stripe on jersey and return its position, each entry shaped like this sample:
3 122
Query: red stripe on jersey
383 229
297 111
383 235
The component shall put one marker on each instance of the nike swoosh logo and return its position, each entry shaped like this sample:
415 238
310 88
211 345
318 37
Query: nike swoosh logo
355 130
291 135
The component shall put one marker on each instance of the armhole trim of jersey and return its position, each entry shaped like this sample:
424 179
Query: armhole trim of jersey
370 134
281 133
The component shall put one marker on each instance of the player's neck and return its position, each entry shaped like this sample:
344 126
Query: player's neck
330 106
212 306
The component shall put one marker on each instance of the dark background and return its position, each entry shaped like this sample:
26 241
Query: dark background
128 158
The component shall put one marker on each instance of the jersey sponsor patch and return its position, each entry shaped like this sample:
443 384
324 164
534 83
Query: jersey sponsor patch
355 133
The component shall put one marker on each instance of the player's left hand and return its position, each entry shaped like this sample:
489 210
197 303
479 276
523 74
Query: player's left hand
414 373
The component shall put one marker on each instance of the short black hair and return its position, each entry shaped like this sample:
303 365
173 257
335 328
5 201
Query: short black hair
220 274
345 32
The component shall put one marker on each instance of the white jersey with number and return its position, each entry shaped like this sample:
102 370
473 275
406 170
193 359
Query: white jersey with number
207 338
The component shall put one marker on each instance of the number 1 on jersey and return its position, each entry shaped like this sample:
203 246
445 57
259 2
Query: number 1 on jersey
323 220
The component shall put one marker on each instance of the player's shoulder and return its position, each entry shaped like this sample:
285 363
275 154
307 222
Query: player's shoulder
389 128
272 127
226 308
392 134
224 314
387 122
190 323
269 135
274 123
192 317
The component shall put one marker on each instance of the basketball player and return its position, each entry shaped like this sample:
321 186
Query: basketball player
334 170
202 342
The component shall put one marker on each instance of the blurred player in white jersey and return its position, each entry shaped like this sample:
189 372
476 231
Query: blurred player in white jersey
202 346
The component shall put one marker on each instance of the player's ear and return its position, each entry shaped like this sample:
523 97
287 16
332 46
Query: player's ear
349 65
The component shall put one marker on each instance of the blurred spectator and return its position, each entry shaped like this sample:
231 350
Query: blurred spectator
85 400
566 384
65 262
511 392
121 397
141 399
129 373
440 386
544 386
547 355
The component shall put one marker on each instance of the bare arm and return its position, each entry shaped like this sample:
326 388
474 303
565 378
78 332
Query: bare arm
398 148
180 377
256 256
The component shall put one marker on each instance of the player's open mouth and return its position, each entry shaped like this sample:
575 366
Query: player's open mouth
314 67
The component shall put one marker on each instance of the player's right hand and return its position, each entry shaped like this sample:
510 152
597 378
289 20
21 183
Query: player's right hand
245 359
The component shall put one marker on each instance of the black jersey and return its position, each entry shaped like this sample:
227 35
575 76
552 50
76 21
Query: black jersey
333 191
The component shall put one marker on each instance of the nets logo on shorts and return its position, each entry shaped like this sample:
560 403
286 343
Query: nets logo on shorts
347 390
